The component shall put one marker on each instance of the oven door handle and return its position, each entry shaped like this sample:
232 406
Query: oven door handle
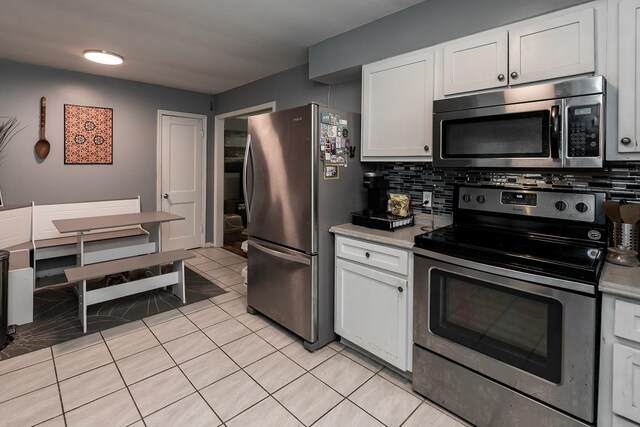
555 132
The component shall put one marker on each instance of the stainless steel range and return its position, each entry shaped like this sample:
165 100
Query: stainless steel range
505 309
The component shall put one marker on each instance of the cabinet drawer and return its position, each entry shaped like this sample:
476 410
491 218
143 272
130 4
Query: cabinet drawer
627 320
380 256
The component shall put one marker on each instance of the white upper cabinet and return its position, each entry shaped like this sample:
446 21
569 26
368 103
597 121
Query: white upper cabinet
563 46
628 72
476 64
397 102
550 48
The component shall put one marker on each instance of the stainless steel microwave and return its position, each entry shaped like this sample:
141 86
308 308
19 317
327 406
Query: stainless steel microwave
551 125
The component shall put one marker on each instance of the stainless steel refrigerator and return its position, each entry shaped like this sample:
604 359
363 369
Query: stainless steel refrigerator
302 175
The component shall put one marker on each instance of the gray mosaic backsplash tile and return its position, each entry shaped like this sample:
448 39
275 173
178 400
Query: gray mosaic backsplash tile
621 181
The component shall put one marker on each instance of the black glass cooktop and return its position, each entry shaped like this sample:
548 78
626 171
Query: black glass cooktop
530 249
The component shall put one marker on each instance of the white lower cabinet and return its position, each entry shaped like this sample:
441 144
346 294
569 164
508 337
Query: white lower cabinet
619 382
626 381
373 305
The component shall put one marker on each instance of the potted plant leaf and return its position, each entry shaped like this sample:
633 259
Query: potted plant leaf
8 129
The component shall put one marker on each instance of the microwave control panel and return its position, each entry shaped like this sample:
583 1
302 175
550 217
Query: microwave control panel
583 133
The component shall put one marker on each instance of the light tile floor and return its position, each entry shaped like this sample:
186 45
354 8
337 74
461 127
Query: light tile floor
206 364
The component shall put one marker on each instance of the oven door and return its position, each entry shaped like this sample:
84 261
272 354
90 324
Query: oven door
535 339
518 135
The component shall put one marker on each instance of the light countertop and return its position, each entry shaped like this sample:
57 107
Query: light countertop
402 237
620 280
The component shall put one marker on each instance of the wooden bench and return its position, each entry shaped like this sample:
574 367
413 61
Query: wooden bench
99 270
49 243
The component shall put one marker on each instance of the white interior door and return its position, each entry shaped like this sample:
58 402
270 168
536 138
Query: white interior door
182 142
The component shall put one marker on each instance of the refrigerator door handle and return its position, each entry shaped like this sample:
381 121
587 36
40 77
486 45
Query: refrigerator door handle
244 178
293 258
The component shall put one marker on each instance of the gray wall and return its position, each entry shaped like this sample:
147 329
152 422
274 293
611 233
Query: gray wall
24 178
425 24
290 88
338 60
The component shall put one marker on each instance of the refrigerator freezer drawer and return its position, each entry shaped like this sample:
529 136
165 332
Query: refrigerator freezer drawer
282 285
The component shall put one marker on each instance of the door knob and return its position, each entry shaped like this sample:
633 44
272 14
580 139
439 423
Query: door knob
165 195
500 77
514 75
625 141
400 289
426 148
367 254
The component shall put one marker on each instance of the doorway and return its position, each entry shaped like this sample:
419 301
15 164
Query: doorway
181 187
228 201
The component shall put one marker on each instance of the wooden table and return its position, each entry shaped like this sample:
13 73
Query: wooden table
83 225
101 263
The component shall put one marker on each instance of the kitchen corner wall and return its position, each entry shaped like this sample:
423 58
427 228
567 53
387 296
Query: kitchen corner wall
24 178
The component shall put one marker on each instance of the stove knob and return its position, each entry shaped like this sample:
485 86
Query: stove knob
466 198
582 207
481 199
560 205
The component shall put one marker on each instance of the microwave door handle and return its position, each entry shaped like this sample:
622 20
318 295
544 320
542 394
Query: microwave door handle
555 132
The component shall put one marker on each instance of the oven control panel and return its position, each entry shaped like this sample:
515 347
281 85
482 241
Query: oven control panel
519 198
543 204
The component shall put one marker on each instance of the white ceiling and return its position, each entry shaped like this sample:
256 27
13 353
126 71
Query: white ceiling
203 45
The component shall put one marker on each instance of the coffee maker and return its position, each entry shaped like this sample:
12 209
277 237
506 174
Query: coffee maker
376 187
375 214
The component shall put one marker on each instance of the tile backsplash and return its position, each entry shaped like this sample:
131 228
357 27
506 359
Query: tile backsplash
619 181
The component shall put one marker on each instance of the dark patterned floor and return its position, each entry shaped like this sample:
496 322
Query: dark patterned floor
55 313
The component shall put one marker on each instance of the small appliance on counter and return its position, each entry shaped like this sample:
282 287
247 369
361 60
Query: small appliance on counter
376 187
624 232
375 215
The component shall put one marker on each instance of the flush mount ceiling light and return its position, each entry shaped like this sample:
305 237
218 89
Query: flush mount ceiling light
103 57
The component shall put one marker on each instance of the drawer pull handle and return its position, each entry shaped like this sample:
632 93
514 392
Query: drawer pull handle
400 289
367 254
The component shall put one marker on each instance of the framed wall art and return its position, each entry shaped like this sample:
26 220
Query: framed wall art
88 135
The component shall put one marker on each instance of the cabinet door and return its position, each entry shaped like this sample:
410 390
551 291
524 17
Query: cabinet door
397 103
559 47
476 64
628 93
371 311
626 382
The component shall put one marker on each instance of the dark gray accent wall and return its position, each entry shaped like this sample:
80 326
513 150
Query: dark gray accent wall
290 88
426 24
24 178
